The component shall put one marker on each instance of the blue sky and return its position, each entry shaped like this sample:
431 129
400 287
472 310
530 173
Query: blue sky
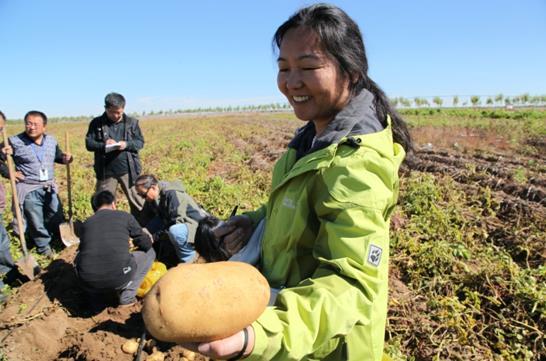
63 56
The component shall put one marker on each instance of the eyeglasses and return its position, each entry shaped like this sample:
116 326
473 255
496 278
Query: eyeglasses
145 194
33 125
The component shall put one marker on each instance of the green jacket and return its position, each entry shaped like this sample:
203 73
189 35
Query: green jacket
326 245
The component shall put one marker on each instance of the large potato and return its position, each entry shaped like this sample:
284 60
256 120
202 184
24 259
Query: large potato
205 302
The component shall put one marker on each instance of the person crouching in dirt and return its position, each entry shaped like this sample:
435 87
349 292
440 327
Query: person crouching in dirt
104 264
175 213
34 154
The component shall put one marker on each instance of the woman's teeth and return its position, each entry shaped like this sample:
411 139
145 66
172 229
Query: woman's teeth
299 99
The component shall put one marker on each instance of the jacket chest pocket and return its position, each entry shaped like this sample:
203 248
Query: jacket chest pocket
291 216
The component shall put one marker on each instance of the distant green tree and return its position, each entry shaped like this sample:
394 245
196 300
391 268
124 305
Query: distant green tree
438 101
394 102
405 102
419 102
525 98
499 98
455 100
475 100
489 101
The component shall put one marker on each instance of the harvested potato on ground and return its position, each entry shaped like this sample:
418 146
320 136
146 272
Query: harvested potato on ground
130 346
205 302
188 355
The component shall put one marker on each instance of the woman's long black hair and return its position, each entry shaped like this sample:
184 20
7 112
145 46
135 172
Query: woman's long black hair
341 38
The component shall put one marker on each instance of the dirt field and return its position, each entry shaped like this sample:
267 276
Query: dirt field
467 281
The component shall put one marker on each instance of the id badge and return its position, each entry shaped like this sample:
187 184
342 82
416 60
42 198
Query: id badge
43 175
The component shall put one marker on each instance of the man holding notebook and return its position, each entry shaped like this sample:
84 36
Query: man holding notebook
116 139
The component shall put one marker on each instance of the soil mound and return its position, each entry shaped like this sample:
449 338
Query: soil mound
50 318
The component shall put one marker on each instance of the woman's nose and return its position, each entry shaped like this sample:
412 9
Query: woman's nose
294 80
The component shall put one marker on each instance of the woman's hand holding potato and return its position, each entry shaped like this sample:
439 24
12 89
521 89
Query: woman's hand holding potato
225 348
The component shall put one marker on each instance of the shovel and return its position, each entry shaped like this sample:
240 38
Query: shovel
27 264
68 236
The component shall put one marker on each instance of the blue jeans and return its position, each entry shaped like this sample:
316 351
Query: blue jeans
43 215
6 262
178 234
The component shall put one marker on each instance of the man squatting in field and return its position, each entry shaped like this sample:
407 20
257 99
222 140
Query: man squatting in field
172 211
115 139
104 263
34 155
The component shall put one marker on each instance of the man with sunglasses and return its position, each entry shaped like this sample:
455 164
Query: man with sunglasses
174 212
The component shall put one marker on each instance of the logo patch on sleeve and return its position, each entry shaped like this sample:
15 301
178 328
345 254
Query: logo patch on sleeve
289 203
374 255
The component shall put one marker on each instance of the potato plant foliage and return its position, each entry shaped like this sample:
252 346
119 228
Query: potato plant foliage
468 270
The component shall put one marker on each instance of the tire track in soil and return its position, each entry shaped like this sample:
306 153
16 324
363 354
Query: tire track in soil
498 177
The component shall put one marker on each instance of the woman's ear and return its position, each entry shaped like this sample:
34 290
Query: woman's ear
354 78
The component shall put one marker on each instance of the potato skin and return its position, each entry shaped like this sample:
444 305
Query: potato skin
205 302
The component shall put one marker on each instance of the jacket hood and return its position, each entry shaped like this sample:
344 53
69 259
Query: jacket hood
171 186
357 118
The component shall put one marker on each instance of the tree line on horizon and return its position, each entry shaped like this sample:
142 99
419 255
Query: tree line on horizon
455 101
473 100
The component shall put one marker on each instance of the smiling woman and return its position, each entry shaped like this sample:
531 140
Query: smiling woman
310 78
326 239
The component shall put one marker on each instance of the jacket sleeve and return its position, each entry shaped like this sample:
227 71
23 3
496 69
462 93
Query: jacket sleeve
349 285
257 215
92 142
176 208
136 142
140 239
4 171
58 155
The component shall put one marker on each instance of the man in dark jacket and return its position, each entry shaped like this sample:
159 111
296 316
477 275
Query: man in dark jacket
104 263
175 211
116 138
